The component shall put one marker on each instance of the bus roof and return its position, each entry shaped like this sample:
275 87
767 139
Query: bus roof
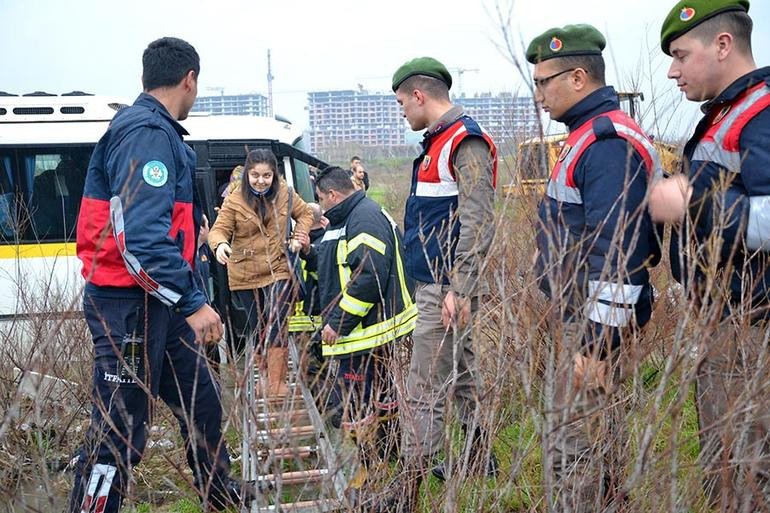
29 120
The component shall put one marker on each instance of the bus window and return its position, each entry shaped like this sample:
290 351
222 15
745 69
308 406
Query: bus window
54 187
302 175
8 219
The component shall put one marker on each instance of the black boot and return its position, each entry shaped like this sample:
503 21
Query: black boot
232 494
478 448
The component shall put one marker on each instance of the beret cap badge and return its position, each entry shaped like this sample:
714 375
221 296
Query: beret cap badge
687 13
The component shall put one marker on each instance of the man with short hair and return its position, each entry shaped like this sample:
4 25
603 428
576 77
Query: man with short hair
136 237
725 193
448 229
356 161
369 307
595 244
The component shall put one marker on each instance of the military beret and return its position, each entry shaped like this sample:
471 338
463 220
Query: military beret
688 14
427 66
566 41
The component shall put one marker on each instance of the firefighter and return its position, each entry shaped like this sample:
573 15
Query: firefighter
448 228
724 192
595 242
368 308
136 238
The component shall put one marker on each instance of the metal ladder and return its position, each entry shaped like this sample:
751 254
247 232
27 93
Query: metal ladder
289 436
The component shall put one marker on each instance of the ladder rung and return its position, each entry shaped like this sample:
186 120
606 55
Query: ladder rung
306 451
313 506
292 432
296 477
281 416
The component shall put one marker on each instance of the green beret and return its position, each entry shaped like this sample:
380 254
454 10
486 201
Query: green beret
566 41
688 14
427 66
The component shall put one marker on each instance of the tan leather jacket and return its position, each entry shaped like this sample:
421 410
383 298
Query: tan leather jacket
259 253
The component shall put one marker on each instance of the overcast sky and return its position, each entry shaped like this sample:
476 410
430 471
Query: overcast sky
96 45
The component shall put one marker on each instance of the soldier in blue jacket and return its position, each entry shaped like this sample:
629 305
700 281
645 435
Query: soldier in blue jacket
725 193
137 238
595 242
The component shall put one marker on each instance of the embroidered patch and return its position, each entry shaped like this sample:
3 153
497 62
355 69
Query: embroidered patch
687 14
155 173
564 152
556 44
722 114
426 162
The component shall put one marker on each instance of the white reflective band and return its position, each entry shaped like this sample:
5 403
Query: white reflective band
758 230
564 193
444 173
436 190
96 501
709 151
609 315
334 234
614 292
657 167
167 296
715 151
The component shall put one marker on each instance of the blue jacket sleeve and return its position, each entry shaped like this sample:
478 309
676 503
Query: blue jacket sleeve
613 181
143 171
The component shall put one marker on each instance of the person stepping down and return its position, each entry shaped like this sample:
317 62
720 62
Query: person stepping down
252 237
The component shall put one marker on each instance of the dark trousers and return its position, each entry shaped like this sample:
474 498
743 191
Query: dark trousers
267 312
362 401
142 350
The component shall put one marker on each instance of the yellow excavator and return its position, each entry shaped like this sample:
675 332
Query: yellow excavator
538 155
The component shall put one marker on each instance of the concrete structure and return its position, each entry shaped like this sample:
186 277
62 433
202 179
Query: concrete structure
233 104
369 119
374 119
503 116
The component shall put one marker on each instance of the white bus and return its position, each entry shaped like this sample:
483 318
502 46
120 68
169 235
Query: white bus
45 146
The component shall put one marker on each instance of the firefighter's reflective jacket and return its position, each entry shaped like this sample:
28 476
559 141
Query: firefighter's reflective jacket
365 294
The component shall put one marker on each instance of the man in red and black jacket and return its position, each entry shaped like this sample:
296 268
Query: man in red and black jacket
724 192
136 238
595 244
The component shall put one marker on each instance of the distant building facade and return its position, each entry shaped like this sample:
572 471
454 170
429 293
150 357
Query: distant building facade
375 119
503 116
361 117
232 104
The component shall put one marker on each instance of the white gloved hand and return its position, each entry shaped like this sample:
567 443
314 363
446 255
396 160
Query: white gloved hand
223 253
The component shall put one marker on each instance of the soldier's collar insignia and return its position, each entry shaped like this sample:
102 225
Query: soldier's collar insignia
722 114
564 152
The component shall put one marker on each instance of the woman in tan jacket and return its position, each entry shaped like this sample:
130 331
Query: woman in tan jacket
249 237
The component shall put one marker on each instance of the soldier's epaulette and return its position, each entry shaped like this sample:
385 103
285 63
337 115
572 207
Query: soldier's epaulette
603 128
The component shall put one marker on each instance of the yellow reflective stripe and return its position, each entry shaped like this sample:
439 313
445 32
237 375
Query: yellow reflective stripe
313 275
375 335
368 240
304 323
354 305
405 297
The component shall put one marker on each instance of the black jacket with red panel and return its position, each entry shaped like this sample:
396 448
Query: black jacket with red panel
140 217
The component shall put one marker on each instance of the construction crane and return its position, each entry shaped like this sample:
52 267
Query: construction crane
460 72
270 78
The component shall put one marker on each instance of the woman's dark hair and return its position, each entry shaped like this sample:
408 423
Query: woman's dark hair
259 204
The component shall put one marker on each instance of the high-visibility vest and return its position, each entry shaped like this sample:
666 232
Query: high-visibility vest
401 323
561 185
